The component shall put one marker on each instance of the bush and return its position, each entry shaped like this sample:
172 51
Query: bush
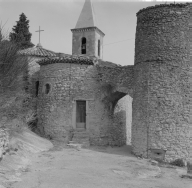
178 162
15 101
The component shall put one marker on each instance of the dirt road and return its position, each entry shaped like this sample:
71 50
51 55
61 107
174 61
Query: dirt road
64 167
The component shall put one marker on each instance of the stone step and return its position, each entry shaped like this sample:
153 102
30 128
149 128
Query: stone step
76 146
72 142
77 140
80 130
81 133
81 136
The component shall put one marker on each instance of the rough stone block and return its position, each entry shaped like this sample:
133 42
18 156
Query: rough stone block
189 167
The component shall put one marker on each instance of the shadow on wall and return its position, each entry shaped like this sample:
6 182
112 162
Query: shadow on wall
118 129
123 119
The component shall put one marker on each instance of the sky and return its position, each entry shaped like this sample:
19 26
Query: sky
116 18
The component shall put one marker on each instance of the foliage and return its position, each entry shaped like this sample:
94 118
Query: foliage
20 33
12 66
15 102
178 162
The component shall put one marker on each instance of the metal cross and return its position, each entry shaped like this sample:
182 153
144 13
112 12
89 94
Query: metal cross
39 32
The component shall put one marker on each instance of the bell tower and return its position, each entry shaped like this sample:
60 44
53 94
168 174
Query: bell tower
87 38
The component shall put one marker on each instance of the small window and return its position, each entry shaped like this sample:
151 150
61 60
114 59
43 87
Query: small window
36 88
99 48
47 88
83 45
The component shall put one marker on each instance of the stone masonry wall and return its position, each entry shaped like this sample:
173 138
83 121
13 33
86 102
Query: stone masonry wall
139 130
190 38
161 94
120 78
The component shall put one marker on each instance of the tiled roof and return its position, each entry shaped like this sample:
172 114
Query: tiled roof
65 58
38 51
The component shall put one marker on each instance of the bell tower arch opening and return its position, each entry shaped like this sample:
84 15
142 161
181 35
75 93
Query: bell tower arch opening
83 45
99 47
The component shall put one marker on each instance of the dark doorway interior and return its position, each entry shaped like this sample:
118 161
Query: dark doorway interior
83 45
81 114
36 88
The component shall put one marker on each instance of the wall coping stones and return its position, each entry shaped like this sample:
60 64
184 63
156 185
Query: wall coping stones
87 29
175 5
73 59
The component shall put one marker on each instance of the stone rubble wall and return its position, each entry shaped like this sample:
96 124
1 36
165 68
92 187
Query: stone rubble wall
161 82
118 129
4 142
119 77
190 38
139 137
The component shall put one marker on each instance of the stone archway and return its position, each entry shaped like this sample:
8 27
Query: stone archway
123 116
117 83
120 105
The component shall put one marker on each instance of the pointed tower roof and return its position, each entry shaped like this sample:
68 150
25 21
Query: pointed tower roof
87 17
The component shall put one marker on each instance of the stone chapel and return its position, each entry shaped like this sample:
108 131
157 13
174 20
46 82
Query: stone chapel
78 95
72 103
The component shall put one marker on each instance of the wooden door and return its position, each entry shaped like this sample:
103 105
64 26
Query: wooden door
81 114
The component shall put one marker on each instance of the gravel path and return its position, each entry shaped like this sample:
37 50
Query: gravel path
96 167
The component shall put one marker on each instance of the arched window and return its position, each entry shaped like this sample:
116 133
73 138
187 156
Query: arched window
36 88
99 48
47 88
83 45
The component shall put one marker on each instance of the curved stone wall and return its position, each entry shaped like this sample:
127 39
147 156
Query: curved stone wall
56 110
161 80
190 25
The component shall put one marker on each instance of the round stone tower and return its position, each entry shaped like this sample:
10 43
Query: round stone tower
161 82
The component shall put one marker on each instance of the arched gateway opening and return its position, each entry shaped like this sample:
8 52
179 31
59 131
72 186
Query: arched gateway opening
123 118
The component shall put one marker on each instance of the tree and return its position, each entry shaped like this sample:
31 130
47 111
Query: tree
12 65
20 33
15 102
